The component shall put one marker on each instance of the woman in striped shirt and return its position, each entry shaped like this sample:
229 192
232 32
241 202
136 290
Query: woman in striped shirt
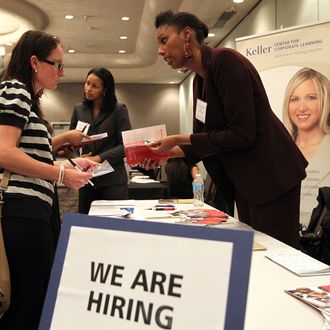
26 151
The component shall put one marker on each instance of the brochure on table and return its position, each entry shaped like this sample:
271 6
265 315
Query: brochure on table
316 297
300 263
121 274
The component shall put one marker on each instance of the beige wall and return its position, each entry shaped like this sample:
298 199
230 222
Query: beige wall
171 104
151 105
147 104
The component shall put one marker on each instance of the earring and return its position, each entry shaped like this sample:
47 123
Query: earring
35 70
187 50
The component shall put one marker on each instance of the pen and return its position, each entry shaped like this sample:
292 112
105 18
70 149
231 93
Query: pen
158 208
164 208
83 130
79 169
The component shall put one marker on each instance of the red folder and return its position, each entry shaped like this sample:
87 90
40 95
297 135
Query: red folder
138 151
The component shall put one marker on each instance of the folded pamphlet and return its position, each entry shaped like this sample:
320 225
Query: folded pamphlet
103 168
315 296
300 263
84 141
136 143
258 247
176 200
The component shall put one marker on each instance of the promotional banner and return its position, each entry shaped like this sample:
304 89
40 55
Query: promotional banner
127 274
294 65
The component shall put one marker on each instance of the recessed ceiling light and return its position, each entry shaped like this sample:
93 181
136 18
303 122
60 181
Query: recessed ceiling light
9 44
123 37
124 18
71 50
122 51
238 1
69 17
171 82
210 35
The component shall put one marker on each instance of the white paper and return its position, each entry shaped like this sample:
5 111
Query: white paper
82 126
300 263
201 110
121 202
205 261
143 180
146 134
104 168
95 137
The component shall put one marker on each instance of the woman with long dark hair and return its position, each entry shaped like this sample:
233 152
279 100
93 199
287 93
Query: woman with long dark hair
102 113
26 151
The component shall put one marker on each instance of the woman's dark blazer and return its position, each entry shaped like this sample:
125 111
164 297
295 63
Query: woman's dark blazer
111 148
242 142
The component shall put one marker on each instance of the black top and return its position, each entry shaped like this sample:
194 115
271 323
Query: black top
111 148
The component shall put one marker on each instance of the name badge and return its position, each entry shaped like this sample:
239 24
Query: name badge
82 126
201 110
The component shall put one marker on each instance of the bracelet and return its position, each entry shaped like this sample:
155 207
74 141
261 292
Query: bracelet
61 173
66 163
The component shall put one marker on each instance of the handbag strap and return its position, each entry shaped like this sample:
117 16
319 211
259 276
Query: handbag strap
3 187
4 183
5 180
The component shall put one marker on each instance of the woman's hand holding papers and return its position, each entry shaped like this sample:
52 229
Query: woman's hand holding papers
85 162
75 137
167 144
151 163
74 179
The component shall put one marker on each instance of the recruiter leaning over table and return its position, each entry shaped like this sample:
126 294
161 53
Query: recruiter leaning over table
245 148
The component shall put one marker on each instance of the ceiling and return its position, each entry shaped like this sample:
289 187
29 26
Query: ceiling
96 29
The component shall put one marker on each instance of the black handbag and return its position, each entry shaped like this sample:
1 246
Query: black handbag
4 268
315 240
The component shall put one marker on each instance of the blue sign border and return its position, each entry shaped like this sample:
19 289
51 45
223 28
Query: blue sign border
240 266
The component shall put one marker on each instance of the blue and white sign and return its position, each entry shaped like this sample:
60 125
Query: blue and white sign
126 274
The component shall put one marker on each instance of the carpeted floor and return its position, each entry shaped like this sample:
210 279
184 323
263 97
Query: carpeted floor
68 200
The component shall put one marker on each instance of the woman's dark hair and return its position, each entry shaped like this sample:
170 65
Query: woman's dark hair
181 20
37 43
109 99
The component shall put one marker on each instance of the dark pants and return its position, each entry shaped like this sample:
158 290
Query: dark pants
29 252
88 194
278 218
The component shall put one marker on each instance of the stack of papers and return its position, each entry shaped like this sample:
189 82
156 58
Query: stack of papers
300 263
139 179
112 208
315 296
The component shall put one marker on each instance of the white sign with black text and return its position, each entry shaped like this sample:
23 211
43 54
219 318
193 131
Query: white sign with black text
124 274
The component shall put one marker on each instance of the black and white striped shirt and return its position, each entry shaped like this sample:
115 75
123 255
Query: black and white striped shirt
31 197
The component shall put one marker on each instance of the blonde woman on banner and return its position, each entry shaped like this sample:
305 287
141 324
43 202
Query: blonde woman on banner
306 115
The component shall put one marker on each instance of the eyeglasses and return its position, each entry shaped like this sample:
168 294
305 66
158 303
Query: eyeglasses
58 66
